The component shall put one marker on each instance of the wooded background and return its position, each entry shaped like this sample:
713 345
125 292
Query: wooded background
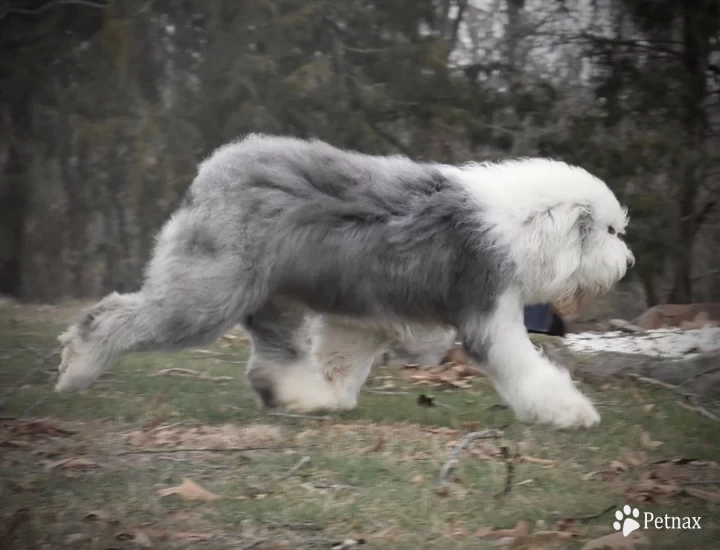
106 107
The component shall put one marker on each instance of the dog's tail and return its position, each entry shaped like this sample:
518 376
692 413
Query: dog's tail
109 329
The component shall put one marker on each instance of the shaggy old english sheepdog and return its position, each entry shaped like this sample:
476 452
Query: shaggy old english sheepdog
326 257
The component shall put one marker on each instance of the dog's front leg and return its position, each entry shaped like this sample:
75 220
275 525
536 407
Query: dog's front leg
536 389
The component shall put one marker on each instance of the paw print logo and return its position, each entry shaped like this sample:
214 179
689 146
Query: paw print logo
629 524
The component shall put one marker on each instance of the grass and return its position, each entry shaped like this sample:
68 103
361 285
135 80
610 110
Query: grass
372 473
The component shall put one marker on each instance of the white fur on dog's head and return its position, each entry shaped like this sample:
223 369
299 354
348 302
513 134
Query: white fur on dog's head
562 226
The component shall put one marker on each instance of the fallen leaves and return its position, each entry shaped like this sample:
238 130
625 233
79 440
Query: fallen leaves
211 437
618 541
22 434
522 536
449 374
521 529
189 490
672 478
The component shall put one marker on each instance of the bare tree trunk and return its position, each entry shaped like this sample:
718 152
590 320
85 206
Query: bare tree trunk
15 192
696 52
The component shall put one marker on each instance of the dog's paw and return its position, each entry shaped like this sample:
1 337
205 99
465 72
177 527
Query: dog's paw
552 398
75 371
577 412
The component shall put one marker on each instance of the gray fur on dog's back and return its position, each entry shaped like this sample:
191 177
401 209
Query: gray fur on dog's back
342 232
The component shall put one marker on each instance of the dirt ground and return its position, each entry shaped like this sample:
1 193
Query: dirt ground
171 451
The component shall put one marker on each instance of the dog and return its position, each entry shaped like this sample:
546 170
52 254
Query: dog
326 256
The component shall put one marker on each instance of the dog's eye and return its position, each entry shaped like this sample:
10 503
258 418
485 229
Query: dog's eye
611 230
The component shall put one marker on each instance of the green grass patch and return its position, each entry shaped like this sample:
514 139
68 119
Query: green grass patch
372 472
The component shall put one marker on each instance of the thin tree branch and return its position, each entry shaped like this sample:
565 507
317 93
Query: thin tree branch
449 466
50 5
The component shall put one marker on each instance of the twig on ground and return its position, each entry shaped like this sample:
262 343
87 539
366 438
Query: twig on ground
449 466
699 408
198 450
700 374
510 464
708 482
587 517
299 464
659 383
252 545
305 416
691 398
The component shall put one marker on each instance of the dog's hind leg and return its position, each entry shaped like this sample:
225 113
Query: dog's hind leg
190 296
304 363
280 353
346 354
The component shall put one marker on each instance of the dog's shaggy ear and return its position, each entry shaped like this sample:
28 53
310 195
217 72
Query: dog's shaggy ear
563 218
584 219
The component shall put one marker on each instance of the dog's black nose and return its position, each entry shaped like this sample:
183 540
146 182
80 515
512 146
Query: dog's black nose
630 261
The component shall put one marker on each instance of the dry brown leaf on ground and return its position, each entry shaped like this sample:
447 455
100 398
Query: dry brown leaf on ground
635 458
448 374
97 515
651 490
455 531
375 447
617 541
671 478
136 536
539 461
647 442
189 490
703 494
47 426
521 529
188 536
24 434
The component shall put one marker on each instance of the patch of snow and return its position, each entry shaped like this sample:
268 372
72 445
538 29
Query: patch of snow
666 343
